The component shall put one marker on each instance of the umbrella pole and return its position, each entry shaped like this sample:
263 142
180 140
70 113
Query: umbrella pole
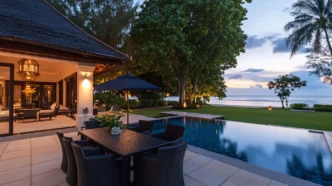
127 108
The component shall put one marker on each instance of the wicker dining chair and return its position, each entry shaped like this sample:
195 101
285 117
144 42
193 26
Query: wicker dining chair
172 133
164 168
64 156
71 176
143 127
96 169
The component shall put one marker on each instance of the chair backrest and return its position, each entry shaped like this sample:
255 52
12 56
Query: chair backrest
172 156
56 110
71 162
145 125
96 170
79 158
91 124
64 159
174 132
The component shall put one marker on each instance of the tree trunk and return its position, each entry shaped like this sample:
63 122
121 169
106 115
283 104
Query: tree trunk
193 92
282 102
328 40
181 90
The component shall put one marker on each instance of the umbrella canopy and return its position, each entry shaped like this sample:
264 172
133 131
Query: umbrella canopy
126 82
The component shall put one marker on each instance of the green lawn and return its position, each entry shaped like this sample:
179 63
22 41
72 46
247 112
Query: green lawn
318 120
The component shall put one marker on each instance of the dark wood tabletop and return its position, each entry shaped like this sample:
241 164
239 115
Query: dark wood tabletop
125 144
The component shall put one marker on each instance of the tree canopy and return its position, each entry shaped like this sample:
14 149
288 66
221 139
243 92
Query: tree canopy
284 85
107 20
190 43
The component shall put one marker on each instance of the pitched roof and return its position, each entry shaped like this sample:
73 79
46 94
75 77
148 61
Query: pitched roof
37 22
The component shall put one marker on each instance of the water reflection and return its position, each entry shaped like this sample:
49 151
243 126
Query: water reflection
289 151
318 173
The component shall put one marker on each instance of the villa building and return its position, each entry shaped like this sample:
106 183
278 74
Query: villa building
46 59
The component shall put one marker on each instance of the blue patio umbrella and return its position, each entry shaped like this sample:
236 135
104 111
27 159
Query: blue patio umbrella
127 83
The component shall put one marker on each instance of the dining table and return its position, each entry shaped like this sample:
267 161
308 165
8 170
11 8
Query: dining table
124 145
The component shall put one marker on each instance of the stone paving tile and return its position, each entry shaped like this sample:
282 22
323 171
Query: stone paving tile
199 160
14 174
45 167
245 178
51 178
18 145
63 184
227 183
213 173
188 167
21 182
275 183
50 141
188 181
14 163
15 154
194 163
3 145
189 155
46 156
45 149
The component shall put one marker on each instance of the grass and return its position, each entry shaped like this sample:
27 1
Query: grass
317 120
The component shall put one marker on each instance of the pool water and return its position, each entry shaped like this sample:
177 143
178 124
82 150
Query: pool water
294 152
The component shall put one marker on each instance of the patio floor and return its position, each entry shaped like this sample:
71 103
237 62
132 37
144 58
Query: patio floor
36 162
29 125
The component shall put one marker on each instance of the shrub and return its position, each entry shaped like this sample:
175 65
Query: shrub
322 108
172 103
299 106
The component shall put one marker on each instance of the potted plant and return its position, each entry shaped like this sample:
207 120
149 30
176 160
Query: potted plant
113 122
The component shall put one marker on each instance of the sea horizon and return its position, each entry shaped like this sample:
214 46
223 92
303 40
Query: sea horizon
264 100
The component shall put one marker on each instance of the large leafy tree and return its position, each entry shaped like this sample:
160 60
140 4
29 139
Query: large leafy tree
107 20
189 42
284 85
312 21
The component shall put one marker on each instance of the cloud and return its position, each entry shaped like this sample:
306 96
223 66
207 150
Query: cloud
256 42
257 86
253 70
279 46
237 76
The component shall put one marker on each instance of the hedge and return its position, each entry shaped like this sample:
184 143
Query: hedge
299 106
322 108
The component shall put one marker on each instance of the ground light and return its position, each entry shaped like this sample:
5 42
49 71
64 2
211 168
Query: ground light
269 108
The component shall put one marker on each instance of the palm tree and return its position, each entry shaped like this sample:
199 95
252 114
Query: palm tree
312 21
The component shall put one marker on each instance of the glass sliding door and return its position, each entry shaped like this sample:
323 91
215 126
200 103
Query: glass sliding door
6 98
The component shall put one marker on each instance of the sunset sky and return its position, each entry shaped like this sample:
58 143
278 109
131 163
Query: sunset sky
266 54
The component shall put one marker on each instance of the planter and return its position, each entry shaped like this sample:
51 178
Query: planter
116 130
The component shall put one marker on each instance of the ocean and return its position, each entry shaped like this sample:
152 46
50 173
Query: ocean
264 100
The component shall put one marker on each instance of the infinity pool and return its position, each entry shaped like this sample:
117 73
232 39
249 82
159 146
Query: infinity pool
295 152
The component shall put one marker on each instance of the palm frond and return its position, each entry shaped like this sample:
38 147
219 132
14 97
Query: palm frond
298 23
300 37
328 7
308 6
320 4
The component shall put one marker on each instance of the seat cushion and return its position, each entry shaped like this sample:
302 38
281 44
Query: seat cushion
53 107
45 111
63 108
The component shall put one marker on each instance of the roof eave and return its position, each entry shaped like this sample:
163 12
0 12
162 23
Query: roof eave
28 47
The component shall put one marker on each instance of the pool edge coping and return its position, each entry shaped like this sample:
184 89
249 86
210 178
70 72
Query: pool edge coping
270 174
328 138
